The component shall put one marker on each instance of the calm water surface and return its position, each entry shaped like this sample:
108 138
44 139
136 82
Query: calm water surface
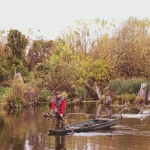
26 129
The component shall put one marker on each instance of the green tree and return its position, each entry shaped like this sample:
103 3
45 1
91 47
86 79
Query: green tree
68 69
14 55
4 66
17 43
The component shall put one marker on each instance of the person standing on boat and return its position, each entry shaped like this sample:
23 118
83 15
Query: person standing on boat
59 106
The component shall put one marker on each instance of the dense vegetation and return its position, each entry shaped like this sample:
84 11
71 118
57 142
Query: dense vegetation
91 52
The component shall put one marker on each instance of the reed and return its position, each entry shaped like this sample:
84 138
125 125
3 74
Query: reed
130 86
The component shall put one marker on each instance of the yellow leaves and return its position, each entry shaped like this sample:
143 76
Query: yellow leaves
65 95
75 32
103 23
131 48
87 50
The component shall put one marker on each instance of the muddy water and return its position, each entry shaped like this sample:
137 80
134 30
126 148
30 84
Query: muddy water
26 129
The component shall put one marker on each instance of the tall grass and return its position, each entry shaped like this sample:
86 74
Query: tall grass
131 86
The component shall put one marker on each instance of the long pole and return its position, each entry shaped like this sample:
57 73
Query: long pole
67 123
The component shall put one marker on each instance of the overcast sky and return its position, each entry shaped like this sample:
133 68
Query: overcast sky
52 16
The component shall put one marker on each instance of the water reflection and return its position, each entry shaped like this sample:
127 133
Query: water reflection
2 123
139 111
104 110
109 110
27 129
60 143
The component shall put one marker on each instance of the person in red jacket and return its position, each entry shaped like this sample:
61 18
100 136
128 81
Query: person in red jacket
59 106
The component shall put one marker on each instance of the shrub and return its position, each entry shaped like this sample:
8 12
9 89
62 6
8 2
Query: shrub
21 93
2 92
45 95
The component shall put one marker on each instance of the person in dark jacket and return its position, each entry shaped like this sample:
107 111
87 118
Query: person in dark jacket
59 106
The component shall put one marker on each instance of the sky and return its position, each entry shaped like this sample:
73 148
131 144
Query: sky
53 16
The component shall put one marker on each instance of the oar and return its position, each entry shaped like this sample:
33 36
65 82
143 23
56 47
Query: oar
67 123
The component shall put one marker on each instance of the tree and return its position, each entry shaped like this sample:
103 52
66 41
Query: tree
68 69
70 63
132 48
17 43
85 35
16 60
39 50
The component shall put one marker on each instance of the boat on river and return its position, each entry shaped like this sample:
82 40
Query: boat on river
86 126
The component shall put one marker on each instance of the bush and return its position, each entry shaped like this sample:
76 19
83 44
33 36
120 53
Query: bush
10 98
21 93
45 95
2 92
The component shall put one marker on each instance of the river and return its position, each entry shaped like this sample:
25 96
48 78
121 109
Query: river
27 129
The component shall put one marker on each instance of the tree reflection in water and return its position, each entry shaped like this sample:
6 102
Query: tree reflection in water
109 110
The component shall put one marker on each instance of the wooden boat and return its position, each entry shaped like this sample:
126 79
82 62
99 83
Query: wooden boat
86 126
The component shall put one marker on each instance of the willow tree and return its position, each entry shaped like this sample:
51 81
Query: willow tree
132 48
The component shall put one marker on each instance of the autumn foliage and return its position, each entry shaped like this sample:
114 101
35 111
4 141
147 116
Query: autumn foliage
96 50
